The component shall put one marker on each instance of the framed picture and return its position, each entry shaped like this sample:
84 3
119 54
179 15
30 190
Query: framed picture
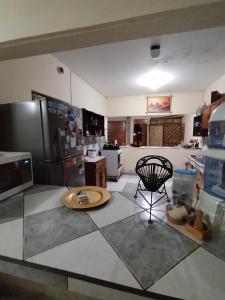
159 104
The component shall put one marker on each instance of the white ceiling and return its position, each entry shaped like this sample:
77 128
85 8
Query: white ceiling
195 59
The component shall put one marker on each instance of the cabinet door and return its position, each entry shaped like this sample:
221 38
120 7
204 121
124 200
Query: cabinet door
156 135
98 177
205 117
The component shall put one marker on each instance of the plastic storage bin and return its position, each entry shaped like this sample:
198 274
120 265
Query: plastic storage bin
217 128
183 184
214 182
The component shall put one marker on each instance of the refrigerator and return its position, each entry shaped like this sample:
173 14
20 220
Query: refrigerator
52 131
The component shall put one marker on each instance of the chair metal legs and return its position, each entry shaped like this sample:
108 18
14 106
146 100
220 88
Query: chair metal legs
151 203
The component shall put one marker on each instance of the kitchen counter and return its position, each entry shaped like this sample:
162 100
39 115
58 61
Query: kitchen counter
177 155
94 159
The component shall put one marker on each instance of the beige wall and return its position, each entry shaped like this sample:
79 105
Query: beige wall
177 156
19 76
85 96
218 85
182 103
26 18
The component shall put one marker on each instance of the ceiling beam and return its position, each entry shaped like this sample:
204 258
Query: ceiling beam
168 22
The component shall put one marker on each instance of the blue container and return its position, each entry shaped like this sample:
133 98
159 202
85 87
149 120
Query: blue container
186 172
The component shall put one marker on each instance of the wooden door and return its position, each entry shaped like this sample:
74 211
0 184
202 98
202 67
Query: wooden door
172 135
117 131
156 135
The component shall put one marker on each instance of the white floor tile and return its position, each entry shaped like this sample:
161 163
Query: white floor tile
11 237
113 186
116 209
90 255
43 200
201 276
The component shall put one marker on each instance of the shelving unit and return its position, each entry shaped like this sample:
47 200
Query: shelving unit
93 124
201 123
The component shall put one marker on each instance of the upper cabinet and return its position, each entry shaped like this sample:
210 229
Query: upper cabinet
93 124
201 123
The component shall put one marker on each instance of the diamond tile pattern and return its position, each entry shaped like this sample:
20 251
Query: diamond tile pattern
54 227
149 251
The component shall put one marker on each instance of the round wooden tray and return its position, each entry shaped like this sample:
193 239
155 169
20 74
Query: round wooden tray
96 196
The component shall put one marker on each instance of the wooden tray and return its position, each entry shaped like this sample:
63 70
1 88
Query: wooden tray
96 196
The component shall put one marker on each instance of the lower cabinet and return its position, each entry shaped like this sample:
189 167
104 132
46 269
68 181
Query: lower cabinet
95 172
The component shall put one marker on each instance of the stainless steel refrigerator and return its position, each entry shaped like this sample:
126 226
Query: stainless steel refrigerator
52 131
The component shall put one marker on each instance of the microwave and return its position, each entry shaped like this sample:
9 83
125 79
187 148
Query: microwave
15 173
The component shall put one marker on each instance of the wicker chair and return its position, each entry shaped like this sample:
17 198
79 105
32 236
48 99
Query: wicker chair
153 171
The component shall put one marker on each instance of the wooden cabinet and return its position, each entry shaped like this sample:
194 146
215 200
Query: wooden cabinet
95 172
117 131
93 124
205 116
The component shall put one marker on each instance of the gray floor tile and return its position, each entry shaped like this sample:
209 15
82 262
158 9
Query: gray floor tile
42 197
11 208
54 227
216 245
149 251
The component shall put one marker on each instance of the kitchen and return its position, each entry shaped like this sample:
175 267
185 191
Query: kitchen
54 76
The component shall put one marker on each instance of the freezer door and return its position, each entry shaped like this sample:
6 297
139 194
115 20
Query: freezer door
62 130
69 172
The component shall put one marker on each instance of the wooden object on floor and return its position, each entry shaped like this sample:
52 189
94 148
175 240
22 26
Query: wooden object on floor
197 228
171 218
95 172
96 196
198 220
199 182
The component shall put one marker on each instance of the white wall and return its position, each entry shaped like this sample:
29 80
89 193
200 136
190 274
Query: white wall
177 156
19 76
39 73
218 85
25 18
85 96
182 103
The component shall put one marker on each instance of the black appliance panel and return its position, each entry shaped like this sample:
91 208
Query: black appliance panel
69 172
62 130
14 174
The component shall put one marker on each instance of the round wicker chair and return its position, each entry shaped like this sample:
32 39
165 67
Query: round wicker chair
153 172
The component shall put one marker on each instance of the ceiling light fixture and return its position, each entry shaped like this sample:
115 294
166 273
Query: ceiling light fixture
155 51
155 79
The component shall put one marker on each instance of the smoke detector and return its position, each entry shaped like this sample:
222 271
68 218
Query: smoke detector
155 51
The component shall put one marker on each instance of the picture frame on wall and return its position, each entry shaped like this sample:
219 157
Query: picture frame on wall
159 104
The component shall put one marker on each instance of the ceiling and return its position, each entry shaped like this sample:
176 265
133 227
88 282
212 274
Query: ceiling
195 59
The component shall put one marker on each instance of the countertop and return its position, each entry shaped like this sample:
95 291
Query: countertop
93 160
158 147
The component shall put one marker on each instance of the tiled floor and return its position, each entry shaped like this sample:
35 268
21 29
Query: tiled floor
114 243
